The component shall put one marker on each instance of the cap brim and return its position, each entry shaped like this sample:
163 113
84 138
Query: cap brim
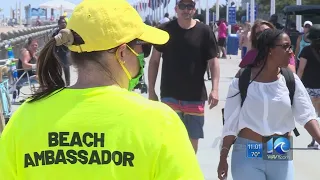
154 35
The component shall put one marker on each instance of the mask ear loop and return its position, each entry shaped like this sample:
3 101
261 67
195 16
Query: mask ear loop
123 67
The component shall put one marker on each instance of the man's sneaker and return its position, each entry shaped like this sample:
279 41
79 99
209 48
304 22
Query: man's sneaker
314 145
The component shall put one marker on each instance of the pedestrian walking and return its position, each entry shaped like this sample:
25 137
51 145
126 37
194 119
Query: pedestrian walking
309 69
222 37
191 47
302 41
266 108
62 51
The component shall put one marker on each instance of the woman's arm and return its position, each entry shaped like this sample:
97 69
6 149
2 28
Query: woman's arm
303 110
226 145
231 116
313 129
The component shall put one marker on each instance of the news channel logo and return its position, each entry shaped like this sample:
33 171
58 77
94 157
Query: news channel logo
279 148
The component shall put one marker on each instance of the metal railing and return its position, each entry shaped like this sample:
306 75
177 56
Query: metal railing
18 38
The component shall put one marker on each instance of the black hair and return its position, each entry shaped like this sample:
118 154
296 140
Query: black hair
50 67
62 18
166 15
266 39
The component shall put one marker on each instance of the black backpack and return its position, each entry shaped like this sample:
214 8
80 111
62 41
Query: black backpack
244 80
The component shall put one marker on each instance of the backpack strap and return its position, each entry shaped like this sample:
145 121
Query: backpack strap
290 82
291 85
244 80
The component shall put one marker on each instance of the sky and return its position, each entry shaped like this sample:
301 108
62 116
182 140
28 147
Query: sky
6 4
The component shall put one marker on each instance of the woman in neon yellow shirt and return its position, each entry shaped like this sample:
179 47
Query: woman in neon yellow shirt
97 128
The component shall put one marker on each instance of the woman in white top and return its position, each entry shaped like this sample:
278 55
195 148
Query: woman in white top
266 112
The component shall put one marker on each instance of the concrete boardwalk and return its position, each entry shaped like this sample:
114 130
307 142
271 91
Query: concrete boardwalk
305 161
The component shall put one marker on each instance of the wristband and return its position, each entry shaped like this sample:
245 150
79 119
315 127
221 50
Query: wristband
224 148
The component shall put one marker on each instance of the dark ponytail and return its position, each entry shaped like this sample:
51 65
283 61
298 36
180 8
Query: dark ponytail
49 71
50 67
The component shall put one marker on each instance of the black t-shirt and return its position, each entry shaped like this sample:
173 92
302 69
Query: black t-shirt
185 58
311 74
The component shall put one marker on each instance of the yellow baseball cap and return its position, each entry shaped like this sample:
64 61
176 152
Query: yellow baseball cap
106 24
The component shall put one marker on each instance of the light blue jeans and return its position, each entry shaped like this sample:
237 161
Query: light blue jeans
243 168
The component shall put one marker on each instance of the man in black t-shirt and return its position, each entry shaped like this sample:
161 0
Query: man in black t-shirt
191 47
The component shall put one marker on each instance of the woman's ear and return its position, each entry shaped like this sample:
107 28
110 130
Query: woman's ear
270 52
121 50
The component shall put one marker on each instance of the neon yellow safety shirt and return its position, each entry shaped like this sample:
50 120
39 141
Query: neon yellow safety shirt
96 133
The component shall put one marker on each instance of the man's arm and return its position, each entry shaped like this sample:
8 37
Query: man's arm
153 69
213 63
215 73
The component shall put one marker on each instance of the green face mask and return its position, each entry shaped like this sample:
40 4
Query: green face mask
133 82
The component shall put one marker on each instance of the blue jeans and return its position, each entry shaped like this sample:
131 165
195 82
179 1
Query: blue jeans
243 168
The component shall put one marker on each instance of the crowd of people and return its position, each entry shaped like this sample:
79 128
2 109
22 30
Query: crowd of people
98 128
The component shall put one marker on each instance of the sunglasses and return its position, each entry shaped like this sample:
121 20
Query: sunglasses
286 47
183 6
